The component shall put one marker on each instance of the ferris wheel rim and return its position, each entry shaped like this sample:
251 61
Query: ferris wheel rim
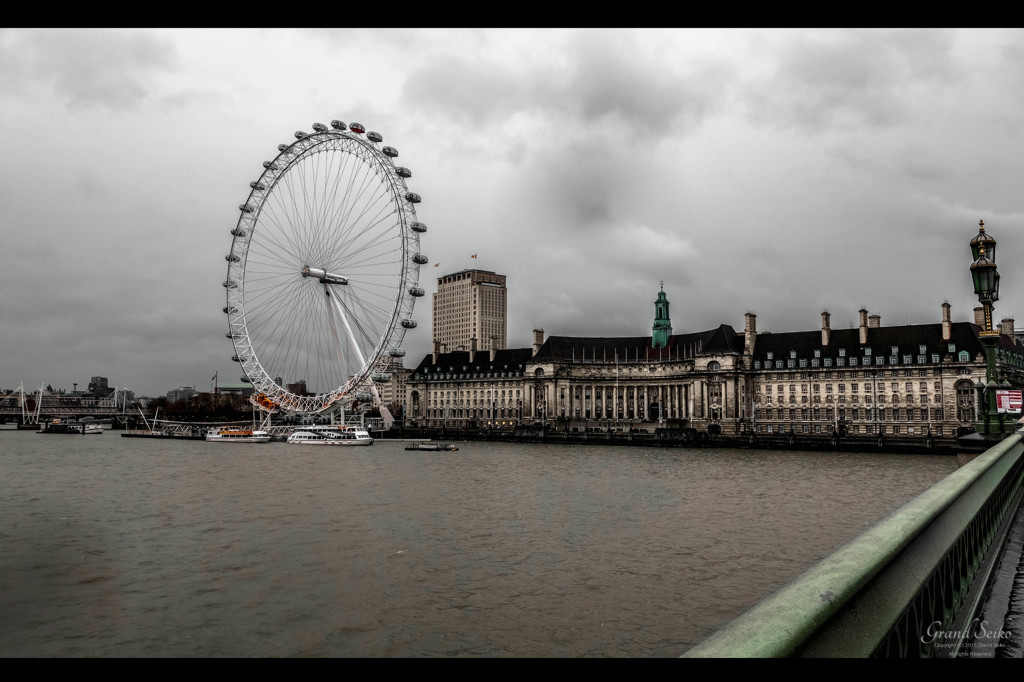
371 164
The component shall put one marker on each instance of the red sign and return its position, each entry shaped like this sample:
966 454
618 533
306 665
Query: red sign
1008 401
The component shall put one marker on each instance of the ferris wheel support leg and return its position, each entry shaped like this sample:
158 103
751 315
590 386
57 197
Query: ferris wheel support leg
348 330
334 327
384 412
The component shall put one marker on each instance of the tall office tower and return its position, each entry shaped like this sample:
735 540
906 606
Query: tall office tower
470 304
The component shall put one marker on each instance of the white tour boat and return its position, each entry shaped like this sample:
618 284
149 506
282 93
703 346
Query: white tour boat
232 434
330 434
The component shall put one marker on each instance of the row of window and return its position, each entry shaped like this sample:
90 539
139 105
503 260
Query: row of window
842 399
793 362
854 414
893 350
471 413
853 429
908 387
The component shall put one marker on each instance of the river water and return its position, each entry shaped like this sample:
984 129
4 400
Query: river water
125 547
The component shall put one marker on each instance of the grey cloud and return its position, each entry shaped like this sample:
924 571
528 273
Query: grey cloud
851 78
594 77
610 77
467 89
90 68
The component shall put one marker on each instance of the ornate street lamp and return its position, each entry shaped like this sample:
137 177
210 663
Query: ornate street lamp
985 275
986 287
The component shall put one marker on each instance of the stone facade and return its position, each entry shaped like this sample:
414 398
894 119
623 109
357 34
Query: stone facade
469 306
910 380
907 381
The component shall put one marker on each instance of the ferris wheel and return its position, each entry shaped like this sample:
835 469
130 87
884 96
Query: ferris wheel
323 270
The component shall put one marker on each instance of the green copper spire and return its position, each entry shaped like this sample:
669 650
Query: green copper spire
662 324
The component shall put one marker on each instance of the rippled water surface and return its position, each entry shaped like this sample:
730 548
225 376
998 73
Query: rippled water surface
113 546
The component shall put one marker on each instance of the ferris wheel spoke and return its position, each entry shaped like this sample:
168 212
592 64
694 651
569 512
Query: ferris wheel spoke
355 211
322 201
287 221
370 231
277 234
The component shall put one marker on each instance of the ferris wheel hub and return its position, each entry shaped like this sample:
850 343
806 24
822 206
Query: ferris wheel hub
324 276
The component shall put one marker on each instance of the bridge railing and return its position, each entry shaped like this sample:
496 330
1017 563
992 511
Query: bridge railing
890 590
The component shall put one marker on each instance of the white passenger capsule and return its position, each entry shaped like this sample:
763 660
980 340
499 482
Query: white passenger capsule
413 198
418 227
416 291
320 127
403 172
338 125
408 324
299 134
419 258
375 137
390 151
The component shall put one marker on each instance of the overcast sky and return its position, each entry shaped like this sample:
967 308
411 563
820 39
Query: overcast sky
779 172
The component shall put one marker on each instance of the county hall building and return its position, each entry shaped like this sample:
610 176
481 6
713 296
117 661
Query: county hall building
910 380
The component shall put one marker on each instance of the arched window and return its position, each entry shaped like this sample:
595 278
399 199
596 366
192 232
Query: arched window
965 400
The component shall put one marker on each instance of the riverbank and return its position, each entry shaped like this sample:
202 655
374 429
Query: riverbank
690 438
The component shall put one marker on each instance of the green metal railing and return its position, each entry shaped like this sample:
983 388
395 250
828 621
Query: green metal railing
882 593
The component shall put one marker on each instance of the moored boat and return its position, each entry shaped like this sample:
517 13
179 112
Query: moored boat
230 434
75 428
330 434
433 447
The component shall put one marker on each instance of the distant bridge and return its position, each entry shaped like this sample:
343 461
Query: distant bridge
41 405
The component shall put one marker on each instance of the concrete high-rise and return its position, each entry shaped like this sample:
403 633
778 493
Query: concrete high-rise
470 310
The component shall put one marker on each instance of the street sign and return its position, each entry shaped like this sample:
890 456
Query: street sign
1008 401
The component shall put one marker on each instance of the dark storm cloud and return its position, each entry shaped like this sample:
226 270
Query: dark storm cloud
850 79
86 69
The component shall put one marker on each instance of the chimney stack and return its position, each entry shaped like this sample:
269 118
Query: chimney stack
1007 327
437 349
494 347
472 349
874 321
979 316
538 340
826 329
749 333
863 326
947 325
